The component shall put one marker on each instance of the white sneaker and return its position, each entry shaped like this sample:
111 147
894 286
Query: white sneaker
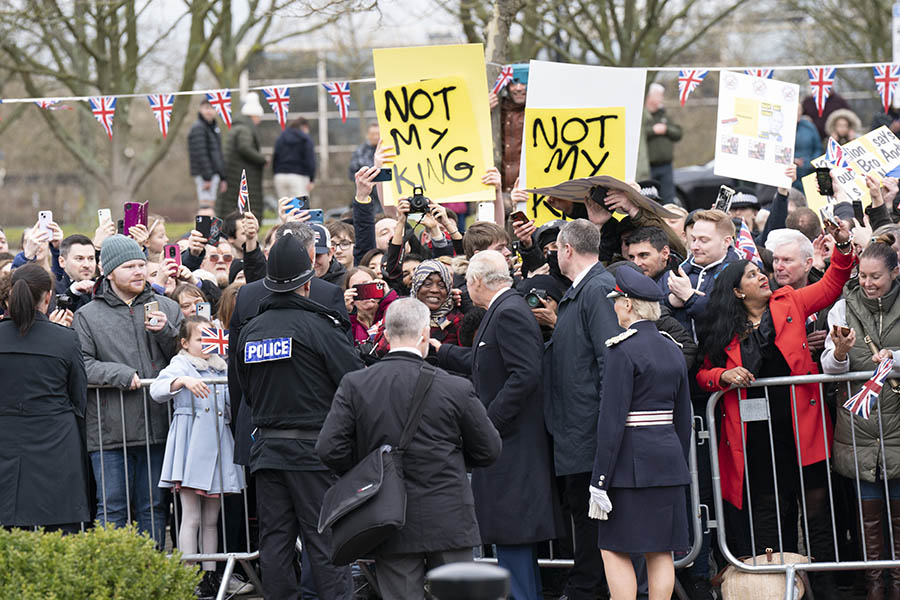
237 585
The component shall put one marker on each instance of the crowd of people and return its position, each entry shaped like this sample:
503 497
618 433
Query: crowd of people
569 356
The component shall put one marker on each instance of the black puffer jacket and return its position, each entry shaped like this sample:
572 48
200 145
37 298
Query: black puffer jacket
205 150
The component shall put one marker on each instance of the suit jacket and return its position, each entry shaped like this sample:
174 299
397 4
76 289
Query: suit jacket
370 408
246 306
515 498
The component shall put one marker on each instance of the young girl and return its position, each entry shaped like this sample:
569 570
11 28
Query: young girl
199 454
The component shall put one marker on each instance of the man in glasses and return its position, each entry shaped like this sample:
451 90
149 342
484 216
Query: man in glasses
217 261
327 267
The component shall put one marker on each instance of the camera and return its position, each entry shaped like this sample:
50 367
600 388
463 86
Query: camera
64 302
598 195
534 297
418 203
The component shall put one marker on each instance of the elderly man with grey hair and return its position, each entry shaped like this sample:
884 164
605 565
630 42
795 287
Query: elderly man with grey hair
371 407
505 364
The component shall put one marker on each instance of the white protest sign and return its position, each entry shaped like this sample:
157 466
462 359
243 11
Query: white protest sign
755 128
876 153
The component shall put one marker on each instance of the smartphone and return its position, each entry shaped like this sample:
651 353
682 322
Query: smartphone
369 291
518 217
845 331
723 200
152 306
827 214
317 215
858 211
120 226
203 223
204 310
135 214
384 175
215 230
823 179
598 195
485 211
104 215
45 217
298 202
172 251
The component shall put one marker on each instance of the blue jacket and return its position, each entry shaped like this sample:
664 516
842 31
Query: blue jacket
702 279
574 361
807 146
294 153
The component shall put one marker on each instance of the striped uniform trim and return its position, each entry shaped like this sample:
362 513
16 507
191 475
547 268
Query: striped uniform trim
646 418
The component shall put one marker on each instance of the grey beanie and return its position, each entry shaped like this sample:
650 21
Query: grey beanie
118 249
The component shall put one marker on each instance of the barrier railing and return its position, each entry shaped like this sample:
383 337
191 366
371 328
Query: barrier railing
757 408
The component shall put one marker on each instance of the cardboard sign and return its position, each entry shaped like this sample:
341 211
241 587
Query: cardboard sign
607 96
756 126
400 66
850 186
876 153
430 124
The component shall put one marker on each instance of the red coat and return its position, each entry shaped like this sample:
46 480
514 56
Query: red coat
812 424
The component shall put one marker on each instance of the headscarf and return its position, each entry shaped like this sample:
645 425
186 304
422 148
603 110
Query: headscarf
422 272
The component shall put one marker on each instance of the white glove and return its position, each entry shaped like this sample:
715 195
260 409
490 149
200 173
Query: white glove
600 504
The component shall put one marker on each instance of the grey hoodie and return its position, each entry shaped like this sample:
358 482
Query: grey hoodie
115 346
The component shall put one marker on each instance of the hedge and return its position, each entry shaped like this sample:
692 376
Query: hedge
102 563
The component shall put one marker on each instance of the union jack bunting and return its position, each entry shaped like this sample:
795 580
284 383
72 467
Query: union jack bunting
886 78
746 246
764 73
506 75
279 98
688 80
104 109
161 105
861 404
214 341
52 105
340 93
820 81
221 101
243 193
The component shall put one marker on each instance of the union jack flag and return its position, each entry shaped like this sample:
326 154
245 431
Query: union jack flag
820 81
52 105
214 341
688 80
812 318
861 404
834 155
764 73
221 101
279 99
886 78
340 93
161 105
104 109
506 75
746 246
243 193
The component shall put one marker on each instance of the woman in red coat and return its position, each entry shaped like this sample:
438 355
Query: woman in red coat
753 332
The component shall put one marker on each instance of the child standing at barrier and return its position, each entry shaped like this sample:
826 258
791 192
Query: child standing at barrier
199 453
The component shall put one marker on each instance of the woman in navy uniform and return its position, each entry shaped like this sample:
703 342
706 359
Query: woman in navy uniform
643 439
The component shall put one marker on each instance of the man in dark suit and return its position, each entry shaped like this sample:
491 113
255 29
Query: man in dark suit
370 409
515 498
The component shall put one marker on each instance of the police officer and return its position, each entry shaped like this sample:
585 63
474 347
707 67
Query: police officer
643 438
291 358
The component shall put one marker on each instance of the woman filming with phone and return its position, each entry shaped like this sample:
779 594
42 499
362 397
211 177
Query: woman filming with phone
367 299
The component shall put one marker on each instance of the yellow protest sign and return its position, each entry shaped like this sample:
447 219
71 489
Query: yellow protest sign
565 143
401 66
876 153
430 125
852 186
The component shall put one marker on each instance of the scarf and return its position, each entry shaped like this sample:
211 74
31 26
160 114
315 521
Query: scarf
211 362
422 272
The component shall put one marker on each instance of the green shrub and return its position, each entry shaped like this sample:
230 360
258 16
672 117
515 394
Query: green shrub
103 563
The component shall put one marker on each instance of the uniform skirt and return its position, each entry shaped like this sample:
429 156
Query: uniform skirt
652 519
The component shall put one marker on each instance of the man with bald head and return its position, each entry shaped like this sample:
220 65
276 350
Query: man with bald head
505 364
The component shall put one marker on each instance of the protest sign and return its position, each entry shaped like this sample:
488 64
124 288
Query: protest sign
850 186
756 125
430 125
606 106
400 66
876 153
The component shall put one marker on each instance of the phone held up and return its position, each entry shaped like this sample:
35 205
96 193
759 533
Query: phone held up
369 291
172 251
823 179
723 200
204 310
45 217
518 217
151 307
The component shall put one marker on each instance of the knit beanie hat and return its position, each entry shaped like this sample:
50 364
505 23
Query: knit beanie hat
118 249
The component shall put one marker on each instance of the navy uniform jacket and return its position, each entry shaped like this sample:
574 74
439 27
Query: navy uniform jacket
644 371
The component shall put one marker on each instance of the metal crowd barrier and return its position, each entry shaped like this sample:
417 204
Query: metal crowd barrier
753 414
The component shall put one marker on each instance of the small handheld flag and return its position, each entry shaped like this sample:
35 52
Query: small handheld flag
279 98
834 155
746 246
688 80
820 81
886 78
340 93
764 73
861 404
161 105
221 101
214 341
506 75
243 193
104 109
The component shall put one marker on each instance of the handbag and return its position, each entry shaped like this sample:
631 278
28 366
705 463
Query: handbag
368 503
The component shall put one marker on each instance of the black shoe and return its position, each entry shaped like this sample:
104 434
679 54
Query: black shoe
209 585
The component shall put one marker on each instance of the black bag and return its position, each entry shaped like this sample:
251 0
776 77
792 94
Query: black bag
368 503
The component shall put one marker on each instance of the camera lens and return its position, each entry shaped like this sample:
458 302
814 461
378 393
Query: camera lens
532 300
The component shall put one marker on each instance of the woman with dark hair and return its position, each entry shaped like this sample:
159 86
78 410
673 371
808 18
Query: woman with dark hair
865 327
753 332
43 471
